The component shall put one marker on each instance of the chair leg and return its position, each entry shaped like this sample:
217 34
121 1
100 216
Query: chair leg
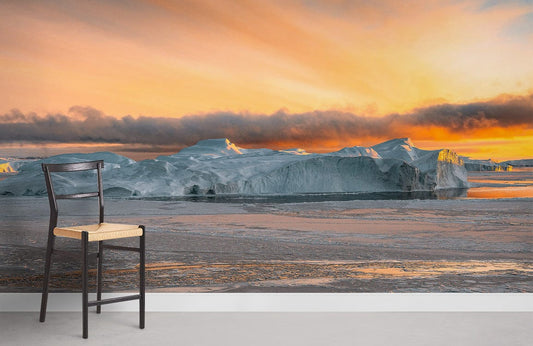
99 275
142 279
84 274
46 279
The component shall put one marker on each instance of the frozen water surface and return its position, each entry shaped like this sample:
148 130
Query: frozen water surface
460 245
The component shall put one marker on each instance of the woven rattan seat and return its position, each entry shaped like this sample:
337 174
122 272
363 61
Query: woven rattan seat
100 231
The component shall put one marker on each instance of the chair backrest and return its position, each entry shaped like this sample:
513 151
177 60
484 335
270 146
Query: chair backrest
49 168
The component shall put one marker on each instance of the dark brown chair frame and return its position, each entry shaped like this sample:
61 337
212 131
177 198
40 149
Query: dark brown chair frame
52 197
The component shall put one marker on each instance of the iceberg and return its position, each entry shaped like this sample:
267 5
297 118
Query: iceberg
440 169
218 166
519 163
472 165
10 166
7 167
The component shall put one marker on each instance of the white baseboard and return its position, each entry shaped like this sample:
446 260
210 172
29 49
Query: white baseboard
286 302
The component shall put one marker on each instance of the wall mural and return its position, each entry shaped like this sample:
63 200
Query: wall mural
273 146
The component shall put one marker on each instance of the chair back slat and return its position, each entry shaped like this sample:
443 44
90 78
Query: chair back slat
73 167
49 168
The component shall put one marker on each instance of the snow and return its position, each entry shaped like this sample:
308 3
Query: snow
213 148
218 166
401 148
356 152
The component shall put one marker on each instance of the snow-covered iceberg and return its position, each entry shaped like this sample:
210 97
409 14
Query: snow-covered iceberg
217 166
9 166
520 163
472 165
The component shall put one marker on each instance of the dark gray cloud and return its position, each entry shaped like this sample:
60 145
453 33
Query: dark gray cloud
505 111
86 124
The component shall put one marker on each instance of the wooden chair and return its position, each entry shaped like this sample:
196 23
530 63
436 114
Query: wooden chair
87 233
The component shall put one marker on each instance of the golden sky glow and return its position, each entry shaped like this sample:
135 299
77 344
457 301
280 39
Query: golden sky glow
174 58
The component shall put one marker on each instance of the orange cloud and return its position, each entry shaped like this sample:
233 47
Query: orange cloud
171 58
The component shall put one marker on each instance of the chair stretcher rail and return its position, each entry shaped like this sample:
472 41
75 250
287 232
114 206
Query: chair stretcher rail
123 248
113 300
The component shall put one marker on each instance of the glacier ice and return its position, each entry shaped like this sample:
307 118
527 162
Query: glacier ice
218 166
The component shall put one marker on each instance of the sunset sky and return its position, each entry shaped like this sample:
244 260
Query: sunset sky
315 74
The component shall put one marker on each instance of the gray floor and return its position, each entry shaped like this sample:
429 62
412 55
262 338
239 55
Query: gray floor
378 328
